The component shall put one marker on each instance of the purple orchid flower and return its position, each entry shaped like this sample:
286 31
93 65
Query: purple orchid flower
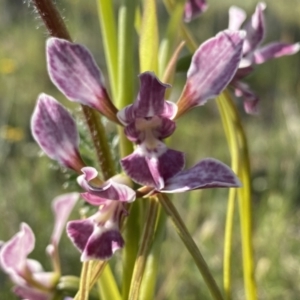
149 119
253 53
55 131
30 280
98 236
193 9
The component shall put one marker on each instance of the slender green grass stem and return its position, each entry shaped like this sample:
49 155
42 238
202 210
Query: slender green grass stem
107 286
240 163
147 289
146 240
110 42
191 246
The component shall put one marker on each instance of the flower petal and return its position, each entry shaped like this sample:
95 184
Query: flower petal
30 293
207 173
55 131
275 50
102 244
75 73
149 102
236 18
110 190
213 66
79 231
249 97
255 29
152 169
62 207
14 252
193 9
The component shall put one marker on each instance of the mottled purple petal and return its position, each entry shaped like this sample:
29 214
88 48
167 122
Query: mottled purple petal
110 190
255 29
193 9
275 50
55 131
79 231
150 100
207 173
212 68
102 244
62 207
152 169
30 293
14 252
236 18
249 97
75 73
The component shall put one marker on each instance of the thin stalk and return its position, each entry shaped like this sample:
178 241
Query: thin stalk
131 235
85 277
228 244
100 142
184 32
245 204
107 286
142 255
191 246
233 145
149 281
110 43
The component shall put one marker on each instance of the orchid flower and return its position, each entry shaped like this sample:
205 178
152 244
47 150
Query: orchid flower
194 8
98 236
30 280
149 119
253 52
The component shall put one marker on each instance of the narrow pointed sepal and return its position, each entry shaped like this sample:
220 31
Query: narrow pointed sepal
213 66
208 173
75 73
54 129
255 30
275 50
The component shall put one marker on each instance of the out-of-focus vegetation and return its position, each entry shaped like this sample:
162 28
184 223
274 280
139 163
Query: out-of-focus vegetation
29 181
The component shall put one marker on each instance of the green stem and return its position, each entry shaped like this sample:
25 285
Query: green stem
142 255
100 142
107 286
109 37
232 139
191 246
228 244
152 265
131 235
184 32
244 193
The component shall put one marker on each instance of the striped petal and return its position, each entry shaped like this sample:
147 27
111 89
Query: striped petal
208 173
55 131
213 66
75 73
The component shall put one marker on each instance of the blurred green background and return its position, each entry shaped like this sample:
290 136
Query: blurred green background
29 180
